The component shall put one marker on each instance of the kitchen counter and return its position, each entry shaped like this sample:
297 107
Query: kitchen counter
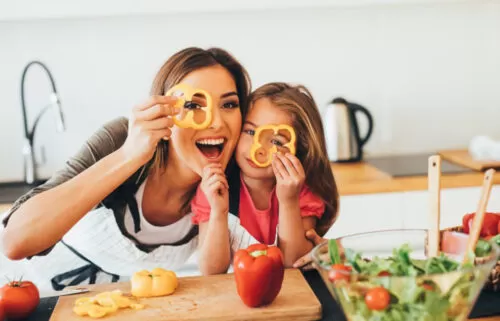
364 178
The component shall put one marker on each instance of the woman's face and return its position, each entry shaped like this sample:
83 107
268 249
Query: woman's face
262 112
197 148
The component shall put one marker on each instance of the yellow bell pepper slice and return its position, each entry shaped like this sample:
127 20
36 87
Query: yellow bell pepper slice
256 145
158 282
188 121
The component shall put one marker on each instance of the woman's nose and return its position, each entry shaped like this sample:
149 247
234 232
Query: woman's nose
217 120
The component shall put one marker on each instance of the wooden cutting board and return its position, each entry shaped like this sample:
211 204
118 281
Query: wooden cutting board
463 158
206 298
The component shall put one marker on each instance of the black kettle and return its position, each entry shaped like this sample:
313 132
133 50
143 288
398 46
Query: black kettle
343 139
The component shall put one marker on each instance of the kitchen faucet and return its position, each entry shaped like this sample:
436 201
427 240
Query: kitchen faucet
29 135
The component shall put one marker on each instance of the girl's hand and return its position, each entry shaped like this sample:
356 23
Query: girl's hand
290 177
149 123
305 261
214 185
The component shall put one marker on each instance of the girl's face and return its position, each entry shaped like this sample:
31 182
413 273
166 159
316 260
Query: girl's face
262 112
197 148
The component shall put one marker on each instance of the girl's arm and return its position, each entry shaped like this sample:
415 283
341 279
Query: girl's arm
290 178
291 232
41 218
214 248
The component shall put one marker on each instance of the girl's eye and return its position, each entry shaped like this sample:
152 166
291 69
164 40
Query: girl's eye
191 105
250 132
276 142
231 105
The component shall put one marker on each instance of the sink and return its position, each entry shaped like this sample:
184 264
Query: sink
11 191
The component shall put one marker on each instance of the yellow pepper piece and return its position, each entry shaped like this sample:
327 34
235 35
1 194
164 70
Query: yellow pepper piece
102 304
257 144
188 121
158 282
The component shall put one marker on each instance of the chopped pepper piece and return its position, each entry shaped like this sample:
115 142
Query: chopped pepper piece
257 143
187 116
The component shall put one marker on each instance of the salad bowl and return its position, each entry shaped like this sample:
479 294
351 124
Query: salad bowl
387 275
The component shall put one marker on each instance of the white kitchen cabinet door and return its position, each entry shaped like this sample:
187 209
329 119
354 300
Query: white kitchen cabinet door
370 212
455 202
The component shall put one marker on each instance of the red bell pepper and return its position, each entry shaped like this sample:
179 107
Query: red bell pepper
490 223
259 272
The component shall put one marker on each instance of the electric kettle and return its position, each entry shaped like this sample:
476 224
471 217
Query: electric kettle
343 139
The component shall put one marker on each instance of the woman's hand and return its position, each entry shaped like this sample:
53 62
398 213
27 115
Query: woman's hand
305 261
290 177
149 123
214 185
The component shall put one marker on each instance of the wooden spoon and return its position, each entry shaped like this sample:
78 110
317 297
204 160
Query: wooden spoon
434 187
477 222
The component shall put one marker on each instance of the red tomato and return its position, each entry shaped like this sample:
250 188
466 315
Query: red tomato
489 227
19 299
2 312
428 287
384 273
465 222
377 298
339 272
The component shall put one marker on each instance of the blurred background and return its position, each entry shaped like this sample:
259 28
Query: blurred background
427 71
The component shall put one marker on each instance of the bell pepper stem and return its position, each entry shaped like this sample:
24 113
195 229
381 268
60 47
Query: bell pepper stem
258 253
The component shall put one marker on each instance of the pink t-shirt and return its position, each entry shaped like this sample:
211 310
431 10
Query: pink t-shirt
261 224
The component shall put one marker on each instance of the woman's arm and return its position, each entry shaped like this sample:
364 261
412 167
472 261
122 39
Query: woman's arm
42 219
214 245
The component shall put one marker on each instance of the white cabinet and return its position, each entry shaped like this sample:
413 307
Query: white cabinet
455 202
368 212
53 9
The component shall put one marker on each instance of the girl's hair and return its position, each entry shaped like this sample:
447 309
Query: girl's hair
311 146
187 61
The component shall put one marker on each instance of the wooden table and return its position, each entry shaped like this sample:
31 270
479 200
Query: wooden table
363 178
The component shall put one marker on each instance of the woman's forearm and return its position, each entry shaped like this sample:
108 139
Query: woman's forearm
214 245
291 235
43 220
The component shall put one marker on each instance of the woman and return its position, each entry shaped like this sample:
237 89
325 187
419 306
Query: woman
122 203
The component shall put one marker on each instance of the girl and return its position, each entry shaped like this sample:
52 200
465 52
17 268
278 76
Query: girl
122 204
296 192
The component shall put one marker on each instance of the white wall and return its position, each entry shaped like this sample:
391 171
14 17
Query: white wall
430 74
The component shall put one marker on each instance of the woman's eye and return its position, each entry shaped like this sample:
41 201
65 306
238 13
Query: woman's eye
250 132
191 105
231 104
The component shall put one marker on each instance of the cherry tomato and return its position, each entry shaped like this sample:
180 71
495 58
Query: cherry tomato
19 299
377 298
339 272
428 287
384 273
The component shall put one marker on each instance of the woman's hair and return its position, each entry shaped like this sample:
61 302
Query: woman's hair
311 146
186 61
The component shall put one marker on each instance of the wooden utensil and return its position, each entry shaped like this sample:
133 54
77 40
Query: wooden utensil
477 222
434 187
206 298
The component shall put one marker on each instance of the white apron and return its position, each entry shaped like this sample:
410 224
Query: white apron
113 257
97 238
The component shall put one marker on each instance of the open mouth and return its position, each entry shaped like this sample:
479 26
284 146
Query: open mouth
211 148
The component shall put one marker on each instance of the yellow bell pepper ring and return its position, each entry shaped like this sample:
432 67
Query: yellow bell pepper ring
188 120
256 145
158 282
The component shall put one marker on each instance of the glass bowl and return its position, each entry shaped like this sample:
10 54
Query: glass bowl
407 287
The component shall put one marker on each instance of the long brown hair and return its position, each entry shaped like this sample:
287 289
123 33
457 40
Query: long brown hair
187 61
311 146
